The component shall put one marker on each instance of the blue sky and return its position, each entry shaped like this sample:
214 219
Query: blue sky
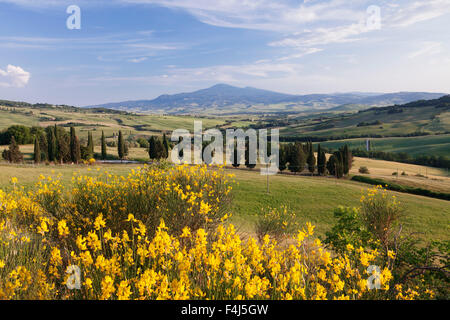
139 49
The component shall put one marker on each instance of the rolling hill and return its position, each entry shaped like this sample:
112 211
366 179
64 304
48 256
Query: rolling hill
226 99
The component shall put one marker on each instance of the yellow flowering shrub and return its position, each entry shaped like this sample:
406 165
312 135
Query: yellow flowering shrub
102 230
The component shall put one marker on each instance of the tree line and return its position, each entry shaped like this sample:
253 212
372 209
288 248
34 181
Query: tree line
297 157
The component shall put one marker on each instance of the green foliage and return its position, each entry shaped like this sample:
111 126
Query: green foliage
103 142
363 170
13 154
311 160
75 153
347 230
297 158
37 150
403 188
121 146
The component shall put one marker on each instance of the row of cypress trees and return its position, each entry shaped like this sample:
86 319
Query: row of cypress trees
158 147
57 145
297 157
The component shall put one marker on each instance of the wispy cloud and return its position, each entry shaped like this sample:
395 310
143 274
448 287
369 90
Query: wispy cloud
427 49
14 76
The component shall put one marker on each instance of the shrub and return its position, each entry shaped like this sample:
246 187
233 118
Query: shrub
363 170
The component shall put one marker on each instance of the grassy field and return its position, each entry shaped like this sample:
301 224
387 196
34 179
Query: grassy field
426 119
311 198
434 144
110 122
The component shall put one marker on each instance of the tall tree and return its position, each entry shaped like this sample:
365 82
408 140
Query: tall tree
43 146
90 145
121 146
52 147
160 150
104 152
166 146
347 159
321 161
311 160
13 154
335 166
63 146
297 158
75 152
152 152
37 150
283 158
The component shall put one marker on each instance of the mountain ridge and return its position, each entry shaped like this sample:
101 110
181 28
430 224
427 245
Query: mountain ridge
224 98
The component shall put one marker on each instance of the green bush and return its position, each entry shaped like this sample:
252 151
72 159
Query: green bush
401 188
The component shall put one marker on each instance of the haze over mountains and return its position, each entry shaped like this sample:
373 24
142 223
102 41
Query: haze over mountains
226 99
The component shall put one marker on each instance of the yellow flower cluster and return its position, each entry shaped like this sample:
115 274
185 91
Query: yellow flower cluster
102 227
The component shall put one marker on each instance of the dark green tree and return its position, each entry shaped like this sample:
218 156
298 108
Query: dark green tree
43 146
321 161
121 146
166 146
13 154
52 144
104 152
37 150
75 152
311 160
335 165
283 158
90 145
297 159
152 152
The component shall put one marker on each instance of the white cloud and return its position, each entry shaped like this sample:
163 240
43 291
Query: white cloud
138 60
14 76
427 49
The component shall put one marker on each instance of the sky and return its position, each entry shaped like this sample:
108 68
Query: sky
140 49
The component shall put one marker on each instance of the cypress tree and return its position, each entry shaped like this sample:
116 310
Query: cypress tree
121 146
75 152
321 159
51 144
104 152
311 158
43 146
297 158
166 146
283 158
63 147
347 159
335 165
152 148
13 154
37 149
90 145
160 150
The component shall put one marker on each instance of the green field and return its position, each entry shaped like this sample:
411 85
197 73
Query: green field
86 120
376 121
438 145
312 199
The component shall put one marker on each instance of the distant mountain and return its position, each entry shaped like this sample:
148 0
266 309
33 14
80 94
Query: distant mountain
226 99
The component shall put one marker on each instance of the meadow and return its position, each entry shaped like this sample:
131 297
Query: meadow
311 199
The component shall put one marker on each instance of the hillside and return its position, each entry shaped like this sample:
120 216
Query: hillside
226 99
417 118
